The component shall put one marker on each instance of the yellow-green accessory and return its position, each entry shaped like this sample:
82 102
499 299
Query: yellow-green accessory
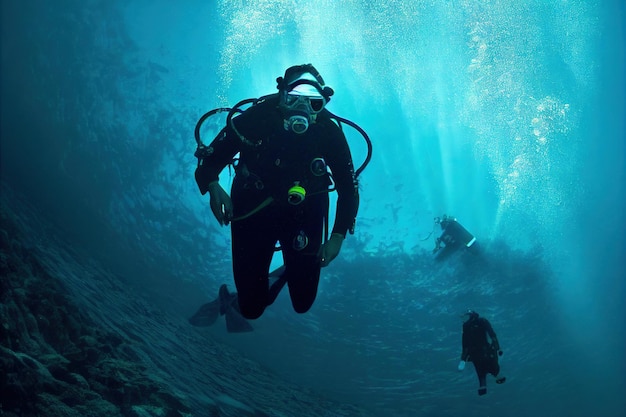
296 194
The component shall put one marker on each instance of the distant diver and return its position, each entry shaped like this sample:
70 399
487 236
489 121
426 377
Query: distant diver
453 237
288 153
481 347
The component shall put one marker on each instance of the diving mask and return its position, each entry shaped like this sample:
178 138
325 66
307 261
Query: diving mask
303 96
300 111
312 105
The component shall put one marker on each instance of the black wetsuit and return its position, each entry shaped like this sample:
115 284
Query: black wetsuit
454 235
479 350
271 161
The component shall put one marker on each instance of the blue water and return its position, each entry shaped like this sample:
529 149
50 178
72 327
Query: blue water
507 114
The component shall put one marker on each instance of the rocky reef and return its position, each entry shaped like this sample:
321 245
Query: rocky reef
75 340
53 360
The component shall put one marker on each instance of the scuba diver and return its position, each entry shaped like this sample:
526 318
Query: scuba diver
481 347
292 154
453 237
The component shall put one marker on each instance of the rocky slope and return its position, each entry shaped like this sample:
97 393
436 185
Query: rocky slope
75 341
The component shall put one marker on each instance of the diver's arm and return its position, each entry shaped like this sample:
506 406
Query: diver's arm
219 154
340 162
492 334
465 351
221 204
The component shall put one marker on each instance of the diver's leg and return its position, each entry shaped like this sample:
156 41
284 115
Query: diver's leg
495 367
303 276
481 373
482 388
253 242
301 243
495 371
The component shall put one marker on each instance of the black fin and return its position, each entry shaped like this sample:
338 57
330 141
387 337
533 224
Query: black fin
235 322
206 315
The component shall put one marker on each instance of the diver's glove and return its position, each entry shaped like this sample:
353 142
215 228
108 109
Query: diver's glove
500 353
461 366
330 249
221 204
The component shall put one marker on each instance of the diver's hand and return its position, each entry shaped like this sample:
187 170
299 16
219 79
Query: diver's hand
461 366
500 353
221 204
330 249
